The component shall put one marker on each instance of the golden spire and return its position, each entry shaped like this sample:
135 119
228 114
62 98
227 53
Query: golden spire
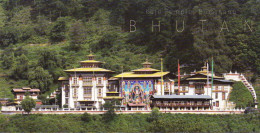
91 56
147 64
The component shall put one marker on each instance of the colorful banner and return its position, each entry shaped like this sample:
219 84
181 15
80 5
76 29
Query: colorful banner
137 91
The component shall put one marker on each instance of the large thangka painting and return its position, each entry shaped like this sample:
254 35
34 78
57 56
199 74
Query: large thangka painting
137 91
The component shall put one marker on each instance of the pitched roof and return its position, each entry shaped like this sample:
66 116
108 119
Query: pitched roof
113 92
133 75
90 61
201 76
86 69
112 97
146 70
25 90
63 78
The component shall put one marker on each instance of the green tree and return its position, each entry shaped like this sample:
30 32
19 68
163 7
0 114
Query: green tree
22 23
8 36
40 78
20 68
110 115
49 58
77 34
2 16
28 104
58 31
7 60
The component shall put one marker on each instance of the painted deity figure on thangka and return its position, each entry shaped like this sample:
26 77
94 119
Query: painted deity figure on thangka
137 91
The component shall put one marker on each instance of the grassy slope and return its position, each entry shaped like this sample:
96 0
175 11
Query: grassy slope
131 123
240 95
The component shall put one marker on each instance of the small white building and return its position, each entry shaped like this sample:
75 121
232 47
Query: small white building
20 93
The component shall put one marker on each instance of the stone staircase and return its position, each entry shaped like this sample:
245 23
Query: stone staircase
249 87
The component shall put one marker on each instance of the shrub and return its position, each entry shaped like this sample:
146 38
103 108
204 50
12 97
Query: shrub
86 117
110 114
27 104
155 115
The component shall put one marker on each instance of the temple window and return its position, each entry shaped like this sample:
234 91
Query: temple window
199 89
223 96
216 96
66 101
99 80
99 92
87 80
199 86
87 91
75 92
217 103
75 80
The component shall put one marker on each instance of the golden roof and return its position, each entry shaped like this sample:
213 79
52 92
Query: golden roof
113 78
112 92
112 97
205 78
210 75
133 75
63 78
87 69
90 61
146 69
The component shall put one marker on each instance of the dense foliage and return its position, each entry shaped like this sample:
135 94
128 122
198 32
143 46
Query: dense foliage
28 104
130 123
241 96
41 38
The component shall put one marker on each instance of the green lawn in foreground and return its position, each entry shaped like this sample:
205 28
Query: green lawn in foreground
130 123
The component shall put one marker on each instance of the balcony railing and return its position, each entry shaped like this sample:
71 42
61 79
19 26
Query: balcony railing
75 84
219 90
199 91
100 84
181 104
183 91
87 84
87 95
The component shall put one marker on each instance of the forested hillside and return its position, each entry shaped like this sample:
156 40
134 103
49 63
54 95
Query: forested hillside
41 38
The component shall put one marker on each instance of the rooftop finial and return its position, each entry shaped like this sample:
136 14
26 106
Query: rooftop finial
147 64
90 56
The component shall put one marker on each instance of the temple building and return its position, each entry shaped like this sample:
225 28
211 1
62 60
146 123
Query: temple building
195 92
198 85
19 93
136 87
86 86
